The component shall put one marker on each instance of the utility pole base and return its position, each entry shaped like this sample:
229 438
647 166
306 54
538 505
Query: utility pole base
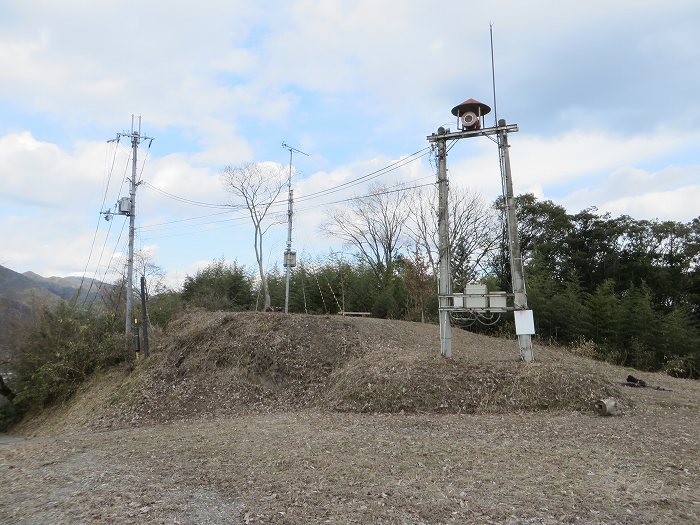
445 335
525 343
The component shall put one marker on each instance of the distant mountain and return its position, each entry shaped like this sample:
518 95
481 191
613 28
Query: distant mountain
64 287
29 286
21 292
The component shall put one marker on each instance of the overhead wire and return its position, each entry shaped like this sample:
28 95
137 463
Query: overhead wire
151 237
321 193
99 217
155 225
373 194
186 200
101 281
315 206
104 244
369 176
97 267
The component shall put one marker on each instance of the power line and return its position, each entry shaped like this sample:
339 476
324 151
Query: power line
149 226
373 194
99 217
109 265
104 199
181 234
364 178
315 195
186 200
232 219
307 208
321 193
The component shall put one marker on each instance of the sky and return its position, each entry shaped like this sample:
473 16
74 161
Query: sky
605 96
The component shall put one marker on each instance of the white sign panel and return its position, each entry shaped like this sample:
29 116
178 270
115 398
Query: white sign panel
524 322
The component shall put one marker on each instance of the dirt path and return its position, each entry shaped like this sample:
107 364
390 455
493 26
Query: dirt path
312 467
8 440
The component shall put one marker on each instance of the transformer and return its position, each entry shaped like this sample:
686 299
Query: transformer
125 205
290 259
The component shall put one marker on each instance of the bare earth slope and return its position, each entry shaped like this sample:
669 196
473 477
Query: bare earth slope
265 418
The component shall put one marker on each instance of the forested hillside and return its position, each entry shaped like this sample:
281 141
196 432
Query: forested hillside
21 294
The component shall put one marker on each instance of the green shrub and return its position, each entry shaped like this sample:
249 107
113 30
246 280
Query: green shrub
63 349
220 286
10 414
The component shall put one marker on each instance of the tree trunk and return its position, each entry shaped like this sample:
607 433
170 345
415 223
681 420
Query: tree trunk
263 277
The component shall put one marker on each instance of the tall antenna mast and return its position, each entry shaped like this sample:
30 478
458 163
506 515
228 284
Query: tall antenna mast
501 161
289 255
493 76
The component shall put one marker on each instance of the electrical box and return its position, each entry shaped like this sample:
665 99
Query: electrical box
290 259
125 205
498 301
475 296
524 322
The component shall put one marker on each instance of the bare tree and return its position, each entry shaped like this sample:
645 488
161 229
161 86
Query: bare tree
144 264
257 186
474 231
420 284
374 226
111 296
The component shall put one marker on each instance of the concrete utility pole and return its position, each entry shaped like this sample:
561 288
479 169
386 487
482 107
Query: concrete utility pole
136 139
289 255
135 136
445 281
516 260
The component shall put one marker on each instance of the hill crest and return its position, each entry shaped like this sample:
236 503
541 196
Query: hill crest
223 364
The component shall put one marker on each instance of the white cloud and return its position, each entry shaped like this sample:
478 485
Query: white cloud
41 173
345 81
556 161
678 205
56 244
551 165
669 194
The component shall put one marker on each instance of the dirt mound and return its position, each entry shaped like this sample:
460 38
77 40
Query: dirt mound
226 364
223 363
428 383
256 358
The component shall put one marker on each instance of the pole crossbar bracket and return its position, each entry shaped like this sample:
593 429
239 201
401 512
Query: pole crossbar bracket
456 135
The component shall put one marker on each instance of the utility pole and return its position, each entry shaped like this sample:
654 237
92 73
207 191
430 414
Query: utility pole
470 115
289 255
128 207
135 136
516 260
445 282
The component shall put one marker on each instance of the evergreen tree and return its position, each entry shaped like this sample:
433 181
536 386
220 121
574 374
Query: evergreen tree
220 286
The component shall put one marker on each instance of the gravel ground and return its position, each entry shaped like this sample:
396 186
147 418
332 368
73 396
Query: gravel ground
230 423
314 467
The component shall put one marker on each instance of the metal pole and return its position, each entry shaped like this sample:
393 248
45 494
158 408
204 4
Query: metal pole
444 283
144 317
516 261
132 218
288 253
288 268
137 339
